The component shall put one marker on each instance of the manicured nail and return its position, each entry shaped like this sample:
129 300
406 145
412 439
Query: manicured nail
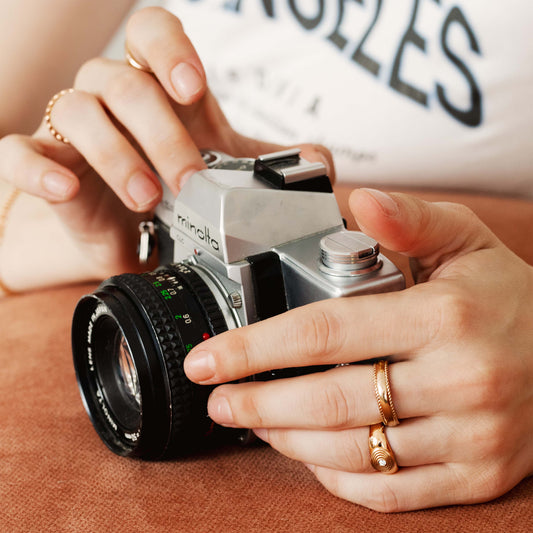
200 366
186 80
58 185
142 190
386 202
220 411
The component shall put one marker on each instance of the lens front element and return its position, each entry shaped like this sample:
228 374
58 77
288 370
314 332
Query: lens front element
116 374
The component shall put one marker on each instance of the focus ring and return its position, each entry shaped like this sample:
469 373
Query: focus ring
188 424
172 350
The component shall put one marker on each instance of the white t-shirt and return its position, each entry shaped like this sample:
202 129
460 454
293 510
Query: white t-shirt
425 93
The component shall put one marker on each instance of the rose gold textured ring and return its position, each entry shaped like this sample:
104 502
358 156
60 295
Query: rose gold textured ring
132 62
383 393
48 115
382 457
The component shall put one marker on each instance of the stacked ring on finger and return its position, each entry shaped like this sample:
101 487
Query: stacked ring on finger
132 62
383 393
382 457
48 115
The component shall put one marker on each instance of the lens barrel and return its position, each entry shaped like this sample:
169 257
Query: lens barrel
129 340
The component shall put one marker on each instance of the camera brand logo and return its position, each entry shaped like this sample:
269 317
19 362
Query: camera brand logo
202 234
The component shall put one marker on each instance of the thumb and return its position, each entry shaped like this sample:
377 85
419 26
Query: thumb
432 233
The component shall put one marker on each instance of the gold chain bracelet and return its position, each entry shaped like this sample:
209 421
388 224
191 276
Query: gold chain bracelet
4 214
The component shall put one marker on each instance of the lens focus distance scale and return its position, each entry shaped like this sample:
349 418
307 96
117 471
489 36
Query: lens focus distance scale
207 301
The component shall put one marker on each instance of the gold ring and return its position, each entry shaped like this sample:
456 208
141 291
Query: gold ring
382 457
48 115
383 393
134 63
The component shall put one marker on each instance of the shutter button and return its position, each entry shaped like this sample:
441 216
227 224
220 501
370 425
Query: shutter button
349 253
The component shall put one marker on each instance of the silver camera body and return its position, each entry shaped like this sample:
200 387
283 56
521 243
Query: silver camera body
267 235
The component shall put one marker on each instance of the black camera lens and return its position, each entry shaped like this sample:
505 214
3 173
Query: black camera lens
129 341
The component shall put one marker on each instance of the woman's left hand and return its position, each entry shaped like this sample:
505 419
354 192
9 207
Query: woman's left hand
461 373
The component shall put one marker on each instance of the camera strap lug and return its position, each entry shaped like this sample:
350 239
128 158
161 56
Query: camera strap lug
146 241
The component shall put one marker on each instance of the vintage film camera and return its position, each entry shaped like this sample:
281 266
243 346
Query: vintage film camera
244 240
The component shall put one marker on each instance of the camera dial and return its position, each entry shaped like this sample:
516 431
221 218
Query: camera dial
349 253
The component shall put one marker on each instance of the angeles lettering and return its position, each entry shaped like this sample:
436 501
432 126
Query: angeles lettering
472 116
411 37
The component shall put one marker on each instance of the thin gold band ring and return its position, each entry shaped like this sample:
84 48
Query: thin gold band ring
132 62
383 393
48 115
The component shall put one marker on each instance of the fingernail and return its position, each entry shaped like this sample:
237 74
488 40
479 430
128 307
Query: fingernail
57 184
386 202
186 80
142 190
200 366
220 411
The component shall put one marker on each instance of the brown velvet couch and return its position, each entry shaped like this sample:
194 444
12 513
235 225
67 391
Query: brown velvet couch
57 476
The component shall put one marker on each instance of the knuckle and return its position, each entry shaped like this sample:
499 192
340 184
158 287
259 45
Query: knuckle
495 481
318 334
491 383
331 406
241 363
87 71
129 85
352 455
252 411
383 499
458 315
71 107
280 440
481 482
170 147
493 439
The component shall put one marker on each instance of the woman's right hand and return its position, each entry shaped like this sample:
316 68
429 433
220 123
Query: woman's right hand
117 119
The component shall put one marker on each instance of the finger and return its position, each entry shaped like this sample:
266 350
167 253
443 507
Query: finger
332 331
407 489
23 164
413 488
434 233
414 442
156 39
106 150
138 102
339 398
